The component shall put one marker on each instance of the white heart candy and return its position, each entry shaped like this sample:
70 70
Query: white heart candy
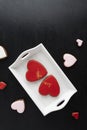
79 42
70 60
3 53
18 105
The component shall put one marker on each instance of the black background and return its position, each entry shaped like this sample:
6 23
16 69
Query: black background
57 24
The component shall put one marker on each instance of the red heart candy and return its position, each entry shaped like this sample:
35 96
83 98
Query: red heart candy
75 115
2 85
35 71
49 86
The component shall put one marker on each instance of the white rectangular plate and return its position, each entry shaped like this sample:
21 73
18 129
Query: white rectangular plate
46 104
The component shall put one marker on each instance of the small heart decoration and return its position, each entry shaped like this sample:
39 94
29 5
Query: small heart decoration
49 86
3 53
35 71
69 60
79 42
18 105
75 115
2 85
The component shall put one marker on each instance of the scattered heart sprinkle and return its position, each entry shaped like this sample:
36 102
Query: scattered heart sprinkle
69 60
75 115
2 85
18 105
49 86
3 52
79 42
35 71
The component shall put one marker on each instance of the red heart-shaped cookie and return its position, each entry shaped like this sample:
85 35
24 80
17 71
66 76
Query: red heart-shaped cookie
75 115
49 86
2 85
35 71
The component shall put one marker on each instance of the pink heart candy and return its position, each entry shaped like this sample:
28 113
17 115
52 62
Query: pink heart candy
69 60
18 105
3 53
79 42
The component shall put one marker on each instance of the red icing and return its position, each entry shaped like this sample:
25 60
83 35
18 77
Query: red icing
2 85
35 71
75 115
49 86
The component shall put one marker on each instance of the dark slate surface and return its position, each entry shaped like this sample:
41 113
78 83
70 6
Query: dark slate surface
57 24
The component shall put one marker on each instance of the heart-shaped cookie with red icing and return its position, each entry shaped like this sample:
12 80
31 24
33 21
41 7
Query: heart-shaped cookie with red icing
35 71
49 86
2 85
75 115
